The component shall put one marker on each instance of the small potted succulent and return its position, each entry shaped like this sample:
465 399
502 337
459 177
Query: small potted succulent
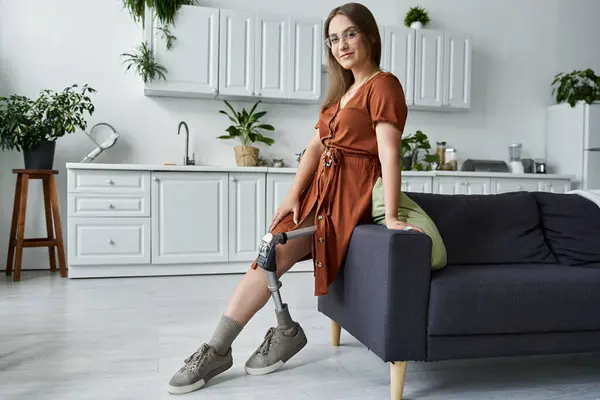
416 18
246 128
33 126
576 86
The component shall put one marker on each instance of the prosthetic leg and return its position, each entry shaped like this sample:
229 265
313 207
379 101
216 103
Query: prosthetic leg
288 338
267 261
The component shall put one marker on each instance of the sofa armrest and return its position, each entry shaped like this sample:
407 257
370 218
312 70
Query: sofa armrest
381 294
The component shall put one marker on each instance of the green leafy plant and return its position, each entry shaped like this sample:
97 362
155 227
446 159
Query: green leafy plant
25 123
164 11
576 86
415 153
144 64
246 126
416 14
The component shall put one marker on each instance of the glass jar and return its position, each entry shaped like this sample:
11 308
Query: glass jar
450 158
441 152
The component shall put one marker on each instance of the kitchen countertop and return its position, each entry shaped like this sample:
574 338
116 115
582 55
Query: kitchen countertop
292 170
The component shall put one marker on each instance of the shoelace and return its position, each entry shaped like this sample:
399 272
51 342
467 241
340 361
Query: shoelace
266 344
193 361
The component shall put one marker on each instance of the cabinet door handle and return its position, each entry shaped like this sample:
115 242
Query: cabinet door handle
232 179
155 179
109 241
110 205
109 182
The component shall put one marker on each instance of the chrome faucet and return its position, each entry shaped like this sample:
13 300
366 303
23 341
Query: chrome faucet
186 158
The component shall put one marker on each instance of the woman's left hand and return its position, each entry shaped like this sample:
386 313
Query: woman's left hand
397 224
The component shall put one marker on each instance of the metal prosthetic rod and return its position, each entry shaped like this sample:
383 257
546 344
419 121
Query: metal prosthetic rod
267 260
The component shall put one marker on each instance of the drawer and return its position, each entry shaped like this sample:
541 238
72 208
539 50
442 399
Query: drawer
100 241
108 205
108 181
504 185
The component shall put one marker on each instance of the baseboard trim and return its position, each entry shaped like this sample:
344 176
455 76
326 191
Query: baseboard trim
139 270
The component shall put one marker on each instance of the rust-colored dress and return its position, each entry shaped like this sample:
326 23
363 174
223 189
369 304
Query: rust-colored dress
342 185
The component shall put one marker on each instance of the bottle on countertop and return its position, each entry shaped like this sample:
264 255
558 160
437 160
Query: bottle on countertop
441 152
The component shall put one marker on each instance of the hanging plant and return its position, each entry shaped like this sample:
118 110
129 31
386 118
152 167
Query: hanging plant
416 17
576 86
144 64
142 60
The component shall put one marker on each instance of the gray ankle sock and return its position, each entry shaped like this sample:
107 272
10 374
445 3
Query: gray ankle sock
285 322
225 333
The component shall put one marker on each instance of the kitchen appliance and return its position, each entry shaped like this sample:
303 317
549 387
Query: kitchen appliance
484 166
528 165
540 166
107 140
573 143
514 155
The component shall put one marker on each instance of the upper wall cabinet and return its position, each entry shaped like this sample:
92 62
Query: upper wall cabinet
244 56
442 71
192 63
434 66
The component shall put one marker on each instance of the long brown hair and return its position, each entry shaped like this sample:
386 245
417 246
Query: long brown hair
341 79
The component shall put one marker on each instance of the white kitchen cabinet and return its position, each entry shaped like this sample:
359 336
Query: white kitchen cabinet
417 184
269 56
429 68
503 185
236 53
246 214
272 56
306 48
399 57
190 217
434 67
278 187
555 185
461 185
107 241
192 61
457 71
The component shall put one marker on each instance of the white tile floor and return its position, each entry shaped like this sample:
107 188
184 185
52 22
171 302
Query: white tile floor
124 338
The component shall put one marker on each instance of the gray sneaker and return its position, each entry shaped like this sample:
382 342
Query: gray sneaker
199 368
277 348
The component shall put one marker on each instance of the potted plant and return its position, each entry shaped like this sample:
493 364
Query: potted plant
246 128
416 18
415 153
576 86
33 126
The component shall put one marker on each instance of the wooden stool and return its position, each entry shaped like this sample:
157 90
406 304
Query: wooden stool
17 230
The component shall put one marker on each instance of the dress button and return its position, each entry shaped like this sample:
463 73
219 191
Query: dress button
320 217
319 264
321 240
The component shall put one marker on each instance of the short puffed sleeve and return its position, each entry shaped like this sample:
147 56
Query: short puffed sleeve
387 102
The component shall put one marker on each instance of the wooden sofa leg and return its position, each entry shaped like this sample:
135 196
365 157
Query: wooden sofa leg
397 375
336 330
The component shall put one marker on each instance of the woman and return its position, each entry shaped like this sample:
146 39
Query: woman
355 147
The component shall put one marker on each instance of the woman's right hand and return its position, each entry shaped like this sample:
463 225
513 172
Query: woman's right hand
290 204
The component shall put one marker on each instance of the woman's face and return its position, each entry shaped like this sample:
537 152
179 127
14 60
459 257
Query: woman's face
347 44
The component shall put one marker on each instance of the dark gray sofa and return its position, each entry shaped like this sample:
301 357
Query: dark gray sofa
523 278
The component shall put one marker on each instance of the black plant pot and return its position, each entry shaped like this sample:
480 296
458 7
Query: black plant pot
42 157
407 162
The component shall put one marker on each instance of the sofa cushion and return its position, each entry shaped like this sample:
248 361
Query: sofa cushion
501 299
487 229
571 225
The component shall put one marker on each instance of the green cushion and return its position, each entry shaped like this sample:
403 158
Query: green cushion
411 213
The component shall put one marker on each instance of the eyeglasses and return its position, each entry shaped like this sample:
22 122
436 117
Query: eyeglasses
348 35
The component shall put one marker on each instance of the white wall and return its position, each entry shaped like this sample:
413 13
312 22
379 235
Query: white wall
518 46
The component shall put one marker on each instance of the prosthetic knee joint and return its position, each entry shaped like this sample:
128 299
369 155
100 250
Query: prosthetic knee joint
267 260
